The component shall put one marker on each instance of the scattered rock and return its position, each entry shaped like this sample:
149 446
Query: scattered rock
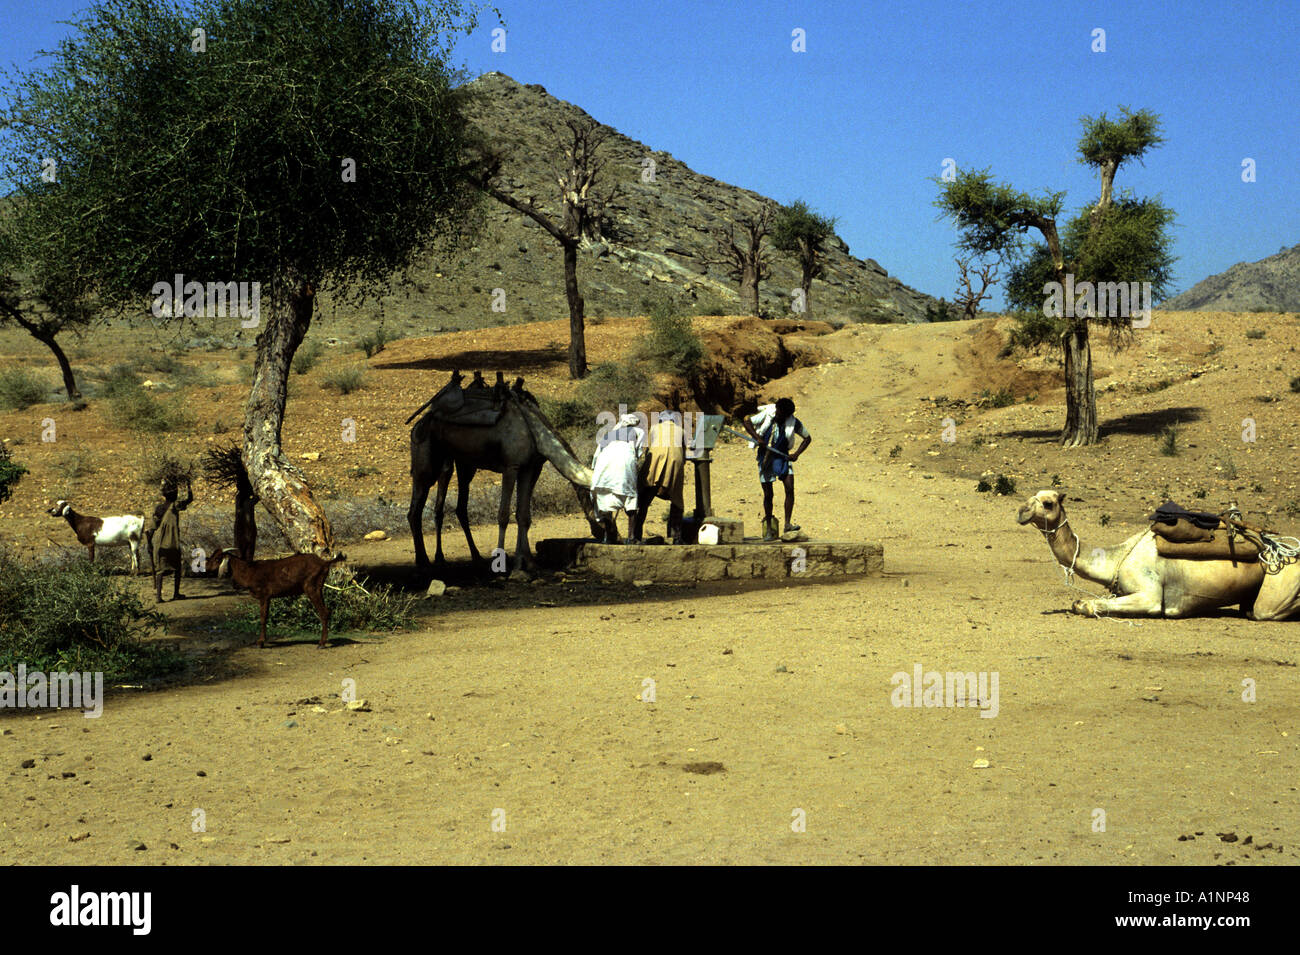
147 756
436 589
643 583
781 669
1227 836
80 837
310 456
28 763
358 706
376 536
980 764
289 724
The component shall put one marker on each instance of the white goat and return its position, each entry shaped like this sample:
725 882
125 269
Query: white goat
105 531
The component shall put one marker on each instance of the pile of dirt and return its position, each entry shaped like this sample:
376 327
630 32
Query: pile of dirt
743 356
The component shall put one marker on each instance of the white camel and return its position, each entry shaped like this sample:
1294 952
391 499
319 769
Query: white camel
1144 584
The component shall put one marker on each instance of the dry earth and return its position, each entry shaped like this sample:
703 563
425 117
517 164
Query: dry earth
522 704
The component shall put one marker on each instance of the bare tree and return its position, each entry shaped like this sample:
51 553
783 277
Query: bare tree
747 265
967 298
583 201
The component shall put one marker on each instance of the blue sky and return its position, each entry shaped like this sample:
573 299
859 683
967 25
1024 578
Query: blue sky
858 123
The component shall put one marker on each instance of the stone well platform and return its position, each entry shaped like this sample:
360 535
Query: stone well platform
686 563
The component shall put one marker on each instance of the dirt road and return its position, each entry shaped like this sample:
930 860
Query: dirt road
523 735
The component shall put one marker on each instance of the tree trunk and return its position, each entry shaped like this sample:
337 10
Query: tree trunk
245 525
749 289
807 295
65 367
1080 393
47 338
279 484
577 328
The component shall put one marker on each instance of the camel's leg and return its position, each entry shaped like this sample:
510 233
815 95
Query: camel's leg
1279 595
1141 604
524 512
465 474
439 505
589 510
323 611
508 479
415 515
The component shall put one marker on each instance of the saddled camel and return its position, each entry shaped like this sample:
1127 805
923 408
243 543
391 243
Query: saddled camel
1144 584
517 446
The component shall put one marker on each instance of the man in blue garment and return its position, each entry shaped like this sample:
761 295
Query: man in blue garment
774 429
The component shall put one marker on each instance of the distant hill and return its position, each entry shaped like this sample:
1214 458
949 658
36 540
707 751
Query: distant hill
1271 284
659 245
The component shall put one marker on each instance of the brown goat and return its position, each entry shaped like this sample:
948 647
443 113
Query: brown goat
285 577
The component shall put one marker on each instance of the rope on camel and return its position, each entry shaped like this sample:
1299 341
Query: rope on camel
1275 550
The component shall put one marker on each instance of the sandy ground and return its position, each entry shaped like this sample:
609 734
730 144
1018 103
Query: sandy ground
510 731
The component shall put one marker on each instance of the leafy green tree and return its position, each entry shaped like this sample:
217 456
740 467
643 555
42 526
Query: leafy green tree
303 145
41 290
1115 240
803 233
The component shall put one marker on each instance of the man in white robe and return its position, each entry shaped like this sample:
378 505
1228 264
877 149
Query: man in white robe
614 468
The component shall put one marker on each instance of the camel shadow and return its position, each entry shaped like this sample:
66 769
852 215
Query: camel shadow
1139 423
522 361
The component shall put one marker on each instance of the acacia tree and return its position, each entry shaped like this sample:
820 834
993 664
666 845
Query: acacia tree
1112 241
40 289
748 265
300 146
803 233
583 198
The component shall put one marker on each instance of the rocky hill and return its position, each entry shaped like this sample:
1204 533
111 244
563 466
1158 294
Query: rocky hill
1271 284
660 242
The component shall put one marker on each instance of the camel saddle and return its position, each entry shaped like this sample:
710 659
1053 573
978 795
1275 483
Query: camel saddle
478 406
1189 535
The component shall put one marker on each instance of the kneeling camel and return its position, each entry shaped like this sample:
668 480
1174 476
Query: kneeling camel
1141 582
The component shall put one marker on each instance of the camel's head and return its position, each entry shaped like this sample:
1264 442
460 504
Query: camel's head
1045 510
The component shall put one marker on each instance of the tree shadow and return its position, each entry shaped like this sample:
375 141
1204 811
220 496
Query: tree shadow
1140 423
489 361
1151 422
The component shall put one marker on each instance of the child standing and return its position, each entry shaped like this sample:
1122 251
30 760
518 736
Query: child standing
163 532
